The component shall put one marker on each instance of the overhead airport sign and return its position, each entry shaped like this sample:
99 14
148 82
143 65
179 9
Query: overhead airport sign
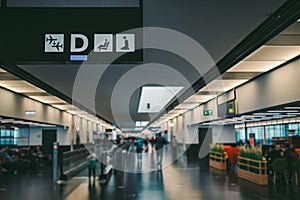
102 43
54 43
70 34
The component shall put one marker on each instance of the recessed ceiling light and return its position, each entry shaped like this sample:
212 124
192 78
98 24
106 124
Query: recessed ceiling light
6 120
291 108
230 120
259 116
20 86
247 116
29 112
282 111
288 115
47 99
18 122
141 123
262 114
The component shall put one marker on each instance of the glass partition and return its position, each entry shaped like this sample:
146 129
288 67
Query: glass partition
271 131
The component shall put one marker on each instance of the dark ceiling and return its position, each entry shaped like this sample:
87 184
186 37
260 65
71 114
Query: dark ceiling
216 25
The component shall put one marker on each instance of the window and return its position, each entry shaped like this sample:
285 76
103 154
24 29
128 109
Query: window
240 135
12 136
276 130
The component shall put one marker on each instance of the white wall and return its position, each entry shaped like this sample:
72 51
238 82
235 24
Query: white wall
275 88
186 126
63 136
196 116
35 136
186 134
14 105
223 134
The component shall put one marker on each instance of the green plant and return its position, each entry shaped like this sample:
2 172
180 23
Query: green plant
251 153
217 148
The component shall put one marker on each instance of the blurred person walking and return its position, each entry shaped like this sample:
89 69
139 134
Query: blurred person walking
160 142
174 147
92 164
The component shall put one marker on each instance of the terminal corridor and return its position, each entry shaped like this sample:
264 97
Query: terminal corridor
180 180
149 99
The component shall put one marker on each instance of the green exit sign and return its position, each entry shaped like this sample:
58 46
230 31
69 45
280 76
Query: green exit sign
207 112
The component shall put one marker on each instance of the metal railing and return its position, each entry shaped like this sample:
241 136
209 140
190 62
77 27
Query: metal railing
73 162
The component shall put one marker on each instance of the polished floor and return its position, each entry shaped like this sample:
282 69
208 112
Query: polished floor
184 179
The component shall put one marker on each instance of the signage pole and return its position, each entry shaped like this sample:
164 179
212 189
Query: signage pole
55 161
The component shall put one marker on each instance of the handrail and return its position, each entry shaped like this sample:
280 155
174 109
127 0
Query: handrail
261 164
252 160
252 170
218 160
72 162
217 155
220 153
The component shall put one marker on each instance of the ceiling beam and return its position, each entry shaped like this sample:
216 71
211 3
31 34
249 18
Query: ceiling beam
286 15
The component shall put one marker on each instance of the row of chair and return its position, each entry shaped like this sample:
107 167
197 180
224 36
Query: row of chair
280 166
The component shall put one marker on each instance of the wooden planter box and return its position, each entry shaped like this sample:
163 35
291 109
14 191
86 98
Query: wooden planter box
217 160
253 170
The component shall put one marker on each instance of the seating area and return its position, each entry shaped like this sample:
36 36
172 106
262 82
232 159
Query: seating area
272 168
279 167
18 160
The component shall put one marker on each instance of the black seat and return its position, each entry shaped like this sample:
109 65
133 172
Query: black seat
280 166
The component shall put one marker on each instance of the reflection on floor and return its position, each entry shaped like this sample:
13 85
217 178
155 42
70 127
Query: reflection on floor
184 179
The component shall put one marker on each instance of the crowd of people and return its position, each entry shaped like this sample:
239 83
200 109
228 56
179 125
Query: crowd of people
19 159
156 143
151 144
138 145
275 151
286 151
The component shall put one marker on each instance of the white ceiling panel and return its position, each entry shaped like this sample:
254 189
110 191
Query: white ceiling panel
255 66
187 106
47 99
20 86
63 107
222 85
177 111
275 53
199 98
171 116
294 29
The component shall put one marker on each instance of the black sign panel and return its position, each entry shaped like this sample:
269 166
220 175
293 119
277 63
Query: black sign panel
72 3
46 34
227 109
